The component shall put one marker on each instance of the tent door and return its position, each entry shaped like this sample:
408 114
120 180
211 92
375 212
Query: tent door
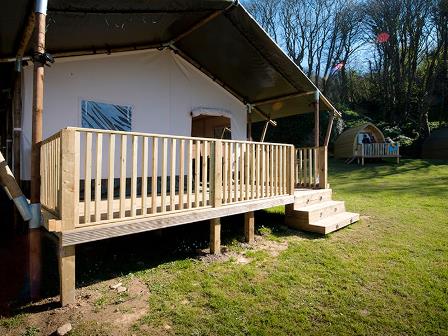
205 126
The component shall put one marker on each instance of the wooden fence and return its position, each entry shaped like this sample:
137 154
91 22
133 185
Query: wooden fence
379 150
106 176
311 167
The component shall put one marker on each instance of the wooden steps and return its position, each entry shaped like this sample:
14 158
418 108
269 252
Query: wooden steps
315 211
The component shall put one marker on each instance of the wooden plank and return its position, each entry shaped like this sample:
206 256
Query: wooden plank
305 167
290 171
155 164
88 177
131 226
258 173
197 173
216 165
225 172
144 189
204 173
123 165
236 172
164 174
181 173
310 167
134 173
70 163
281 162
98 178
242 168
215 236
254 173
263 170
247 172
277 170
67 274
111 177
291 176
229 171
323 168
249 227
190 174
316 167
271 170
173 174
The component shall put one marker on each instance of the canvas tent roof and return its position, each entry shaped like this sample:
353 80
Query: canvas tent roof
218 36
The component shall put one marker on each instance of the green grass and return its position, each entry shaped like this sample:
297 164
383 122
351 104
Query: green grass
386 275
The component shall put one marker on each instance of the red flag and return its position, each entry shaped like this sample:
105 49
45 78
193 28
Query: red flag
382 37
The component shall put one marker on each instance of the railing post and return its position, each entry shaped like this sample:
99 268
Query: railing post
216 174
69 193
69 211
323 167
291 162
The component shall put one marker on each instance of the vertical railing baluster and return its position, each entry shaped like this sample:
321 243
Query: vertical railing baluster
111 178
123 175
144 180
88 176
154 176
98 178
134 176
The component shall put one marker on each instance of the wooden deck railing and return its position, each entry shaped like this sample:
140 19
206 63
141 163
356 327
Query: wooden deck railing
51 174
107 176
379 150
311 167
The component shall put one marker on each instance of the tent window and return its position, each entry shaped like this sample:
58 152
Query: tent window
106 116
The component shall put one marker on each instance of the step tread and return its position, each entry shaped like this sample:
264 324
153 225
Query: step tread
319 206
337 218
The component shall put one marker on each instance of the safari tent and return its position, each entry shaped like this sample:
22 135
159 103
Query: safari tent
364 141
144 121
436 145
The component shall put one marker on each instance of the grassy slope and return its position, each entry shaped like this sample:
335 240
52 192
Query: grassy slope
385 275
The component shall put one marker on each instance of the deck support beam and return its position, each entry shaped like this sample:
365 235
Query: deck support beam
215 236
249 227
67 274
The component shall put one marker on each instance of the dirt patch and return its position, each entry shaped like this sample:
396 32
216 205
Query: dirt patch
271 246
98 302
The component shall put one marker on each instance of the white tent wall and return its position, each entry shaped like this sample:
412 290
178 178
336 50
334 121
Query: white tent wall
161 87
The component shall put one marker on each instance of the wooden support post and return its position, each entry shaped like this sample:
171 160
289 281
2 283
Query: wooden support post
69 203
323 167
67 274
38 100
249 227
36 138
215 236
316 118
329 128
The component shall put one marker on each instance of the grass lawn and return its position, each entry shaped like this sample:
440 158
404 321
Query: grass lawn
385 275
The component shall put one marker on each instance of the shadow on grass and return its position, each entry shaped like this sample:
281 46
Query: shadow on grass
116 257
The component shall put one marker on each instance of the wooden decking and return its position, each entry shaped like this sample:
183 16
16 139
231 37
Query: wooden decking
99 184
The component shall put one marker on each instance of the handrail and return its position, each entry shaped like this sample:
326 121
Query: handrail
311 167
168 136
